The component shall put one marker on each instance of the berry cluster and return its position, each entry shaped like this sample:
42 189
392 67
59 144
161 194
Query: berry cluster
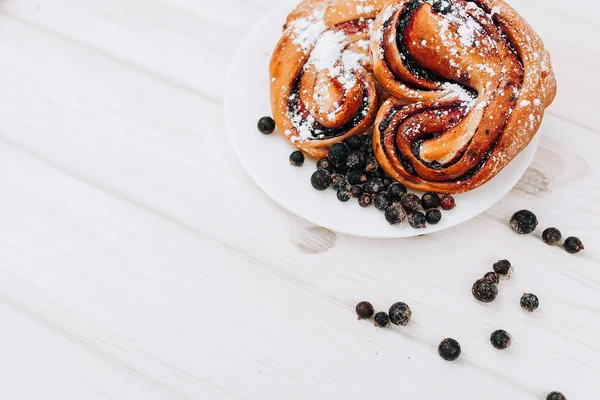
486 288
399 314
524 222
352 170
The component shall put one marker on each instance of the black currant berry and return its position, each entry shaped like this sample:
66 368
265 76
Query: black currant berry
410 202
343 195
484 290
523 222
324 163
297 158
356 177
529 302
503 268
447 202
373 186
500 339
382 201
356 191
433 216
573 245
338 153
387 182
371 164
449 349
417 220
382 319
354 142
365 200
266 125
430 200
364 309
320 179
395 214
400 313
356 160
339 182
551 236
396 190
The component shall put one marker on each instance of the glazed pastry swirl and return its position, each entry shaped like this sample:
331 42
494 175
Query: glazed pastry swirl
322 90
470 81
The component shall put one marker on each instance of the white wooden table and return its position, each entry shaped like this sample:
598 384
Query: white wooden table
138 260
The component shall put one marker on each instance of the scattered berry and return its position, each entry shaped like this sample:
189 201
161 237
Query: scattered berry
430 200
356 191
551 236
396 190
382 319
503 268
356 160
410 202
523 222
447 202
387 182
365 200
373 185
356 177
395 214
417 220
364 309
433 216
400 313
573 245
343 195
266 125
500 339
324 163
382 201
492 277
449 349
338 153
529 302
484 290
297 158
339 182
371 164
556 396
354 142
320 179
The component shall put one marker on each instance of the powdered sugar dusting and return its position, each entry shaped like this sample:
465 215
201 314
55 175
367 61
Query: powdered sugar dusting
459 92
306 31
364 9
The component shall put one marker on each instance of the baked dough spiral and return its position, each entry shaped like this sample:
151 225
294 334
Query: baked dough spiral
469 80
322 90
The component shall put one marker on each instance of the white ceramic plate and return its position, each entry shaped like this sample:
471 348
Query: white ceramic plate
265 157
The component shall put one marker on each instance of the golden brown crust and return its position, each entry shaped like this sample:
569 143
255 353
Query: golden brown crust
316 103
477 80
